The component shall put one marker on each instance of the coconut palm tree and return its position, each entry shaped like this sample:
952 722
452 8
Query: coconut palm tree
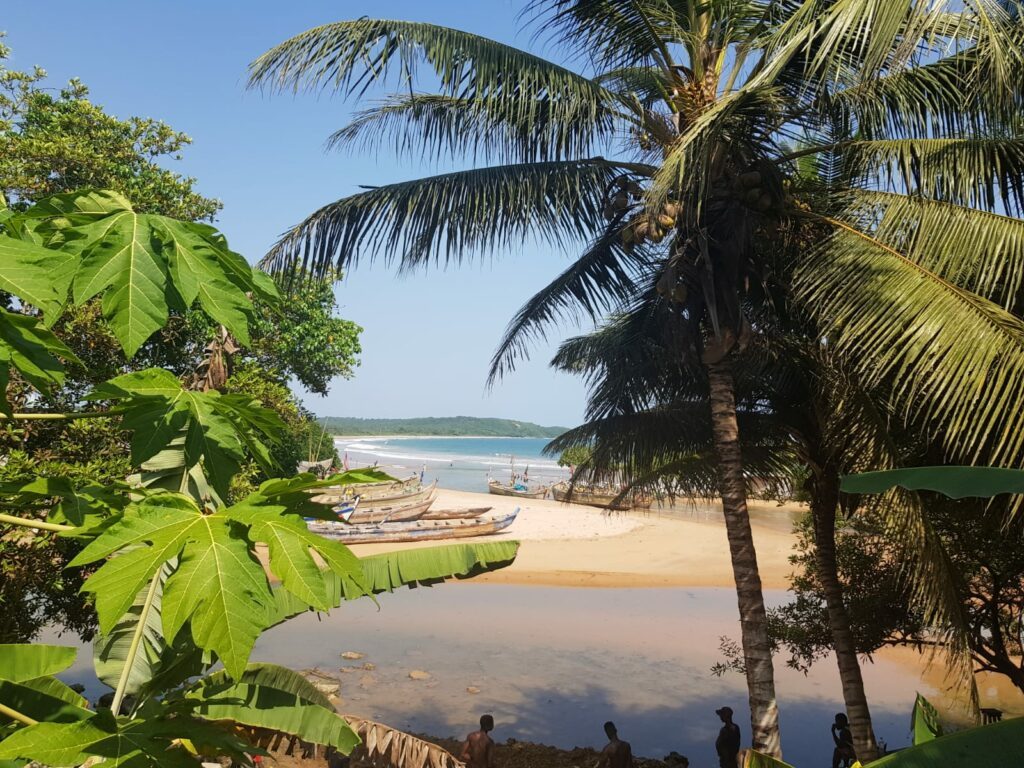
647 417
673 145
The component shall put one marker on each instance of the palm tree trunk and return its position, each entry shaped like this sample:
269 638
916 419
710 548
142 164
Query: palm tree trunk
824 502
757 655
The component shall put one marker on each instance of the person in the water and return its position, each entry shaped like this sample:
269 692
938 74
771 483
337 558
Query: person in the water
478 751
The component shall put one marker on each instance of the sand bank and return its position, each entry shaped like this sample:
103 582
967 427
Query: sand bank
575 545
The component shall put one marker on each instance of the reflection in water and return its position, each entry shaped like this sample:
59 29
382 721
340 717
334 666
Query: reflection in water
552 664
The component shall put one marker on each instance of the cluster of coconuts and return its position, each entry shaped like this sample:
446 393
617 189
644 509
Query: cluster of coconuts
644 226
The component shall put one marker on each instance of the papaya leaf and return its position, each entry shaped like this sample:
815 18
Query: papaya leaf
27 271
32 350
294 492
71 504
218 589
754 759
141 264
25 661
218 428
268 696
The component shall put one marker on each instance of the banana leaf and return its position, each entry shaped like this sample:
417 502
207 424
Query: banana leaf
754 759
999 745
955 482
407 568
925 723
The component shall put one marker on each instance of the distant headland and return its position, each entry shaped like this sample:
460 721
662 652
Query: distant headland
443 426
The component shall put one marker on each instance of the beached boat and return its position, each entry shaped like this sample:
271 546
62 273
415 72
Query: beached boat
381 497
455 514
379 513
416 530
599 497
504 489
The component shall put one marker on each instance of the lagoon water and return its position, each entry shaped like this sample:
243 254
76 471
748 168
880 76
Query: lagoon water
552 664
458 463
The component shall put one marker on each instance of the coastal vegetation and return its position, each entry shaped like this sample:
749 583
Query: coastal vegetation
830 180
440 426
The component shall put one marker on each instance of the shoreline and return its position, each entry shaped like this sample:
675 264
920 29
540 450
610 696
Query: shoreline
450 437
572 545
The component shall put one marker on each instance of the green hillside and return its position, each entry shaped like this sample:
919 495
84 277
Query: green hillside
445 426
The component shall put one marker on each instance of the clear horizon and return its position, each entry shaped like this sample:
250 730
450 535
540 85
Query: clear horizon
428 337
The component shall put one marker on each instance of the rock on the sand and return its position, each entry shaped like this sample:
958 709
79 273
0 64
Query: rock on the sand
472 689
352 655
419 674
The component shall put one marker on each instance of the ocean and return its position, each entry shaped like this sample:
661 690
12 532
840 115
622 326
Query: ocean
458 463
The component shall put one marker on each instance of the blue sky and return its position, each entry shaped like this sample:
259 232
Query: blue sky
429 336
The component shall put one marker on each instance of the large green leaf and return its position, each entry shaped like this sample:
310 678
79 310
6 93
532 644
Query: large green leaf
388 571
68 502
273 697
32 350
925 724
218 429
26 661
113 650
991 746
44 699
218 589
955 482
141 264
27 271
137 743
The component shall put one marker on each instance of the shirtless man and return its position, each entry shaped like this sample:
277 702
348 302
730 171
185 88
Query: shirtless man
478 751
617 754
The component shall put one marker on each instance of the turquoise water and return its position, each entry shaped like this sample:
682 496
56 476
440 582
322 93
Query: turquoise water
458 463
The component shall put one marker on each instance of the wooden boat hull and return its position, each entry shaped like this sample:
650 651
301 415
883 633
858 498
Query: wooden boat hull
500 489
395 513
417 530
376 499
602 500
455 514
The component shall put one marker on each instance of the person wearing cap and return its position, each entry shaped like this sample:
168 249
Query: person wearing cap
617 753
727 745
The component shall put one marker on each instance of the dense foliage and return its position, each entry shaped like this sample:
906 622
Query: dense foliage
983 548
454 426
168 554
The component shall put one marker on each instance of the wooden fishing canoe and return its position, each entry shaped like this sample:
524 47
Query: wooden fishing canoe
504 489
391 512
602 499
416 530
377 498
455 514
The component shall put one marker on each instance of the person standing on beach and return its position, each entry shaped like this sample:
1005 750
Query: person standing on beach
727 745
617 753
478 751
843 754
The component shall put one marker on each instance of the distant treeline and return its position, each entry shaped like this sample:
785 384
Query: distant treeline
445 426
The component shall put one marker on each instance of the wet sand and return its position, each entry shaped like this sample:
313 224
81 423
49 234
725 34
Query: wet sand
572 545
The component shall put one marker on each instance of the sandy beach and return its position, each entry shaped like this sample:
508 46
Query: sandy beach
575 545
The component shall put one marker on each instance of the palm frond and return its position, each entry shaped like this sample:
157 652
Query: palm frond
351 56
519 127
951 357
605 275
384 745
444 218
980 251
611 33
976 171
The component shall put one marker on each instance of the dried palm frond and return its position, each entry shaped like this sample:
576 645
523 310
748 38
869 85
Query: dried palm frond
385 745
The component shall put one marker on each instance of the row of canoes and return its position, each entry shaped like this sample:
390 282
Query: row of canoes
400 510
594 496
